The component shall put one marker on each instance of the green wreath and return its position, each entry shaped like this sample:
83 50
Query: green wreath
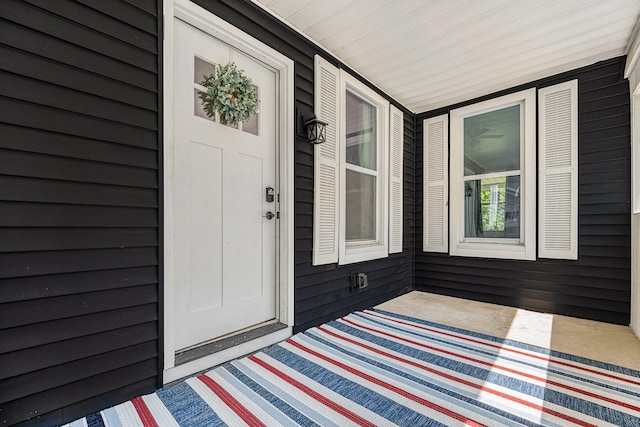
229 93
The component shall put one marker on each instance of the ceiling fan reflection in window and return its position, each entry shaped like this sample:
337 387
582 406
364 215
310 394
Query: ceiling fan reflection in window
473 135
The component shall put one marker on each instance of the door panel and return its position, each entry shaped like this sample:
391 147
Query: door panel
225 248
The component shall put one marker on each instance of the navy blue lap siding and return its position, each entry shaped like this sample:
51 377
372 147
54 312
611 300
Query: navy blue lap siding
79 206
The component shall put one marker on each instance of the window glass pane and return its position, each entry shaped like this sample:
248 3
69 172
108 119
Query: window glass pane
198 109
361 207
251 124
202 69
492 141
361 132
492 207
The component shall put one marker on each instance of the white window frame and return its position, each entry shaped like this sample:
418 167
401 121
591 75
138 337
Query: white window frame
525 247
351 252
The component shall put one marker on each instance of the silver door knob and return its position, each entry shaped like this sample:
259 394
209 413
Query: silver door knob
269 215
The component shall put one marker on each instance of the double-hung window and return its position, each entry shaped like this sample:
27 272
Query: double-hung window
505 154
493 187
357 171
363 172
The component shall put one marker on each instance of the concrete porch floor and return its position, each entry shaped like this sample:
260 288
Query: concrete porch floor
605 342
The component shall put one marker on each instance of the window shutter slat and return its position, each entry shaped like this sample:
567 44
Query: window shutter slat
326 165
436 184
395 180
558 171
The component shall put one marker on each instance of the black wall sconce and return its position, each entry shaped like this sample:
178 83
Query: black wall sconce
468 191
311 128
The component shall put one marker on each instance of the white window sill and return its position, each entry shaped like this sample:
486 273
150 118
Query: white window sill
360 253
494 250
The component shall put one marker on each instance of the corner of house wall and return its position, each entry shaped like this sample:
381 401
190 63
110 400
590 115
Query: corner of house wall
635 273
633 75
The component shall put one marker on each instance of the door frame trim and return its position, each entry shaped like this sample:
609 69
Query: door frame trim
204 20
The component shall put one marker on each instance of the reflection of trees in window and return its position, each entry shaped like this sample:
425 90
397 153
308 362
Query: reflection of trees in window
492 199
492 207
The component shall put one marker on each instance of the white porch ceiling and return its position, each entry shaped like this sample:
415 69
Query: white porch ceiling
430 54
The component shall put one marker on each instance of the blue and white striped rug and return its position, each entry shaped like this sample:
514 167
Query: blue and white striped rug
376 368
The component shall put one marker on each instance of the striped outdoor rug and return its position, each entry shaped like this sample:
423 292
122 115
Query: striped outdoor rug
375 368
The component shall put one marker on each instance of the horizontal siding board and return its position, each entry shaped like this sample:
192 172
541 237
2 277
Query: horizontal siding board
608 106
78 35
26 264
148 6
78 391
601 134
41 44
38 68
617 257
618 122
613 153
125 13
55 239
611 301
29 312
19 214
588 98
539 269
606 165
598 81
43 142
137 311
546 301
45 356
105 24
588 209
615 176
61 98
48 191
36 382
612 230
35 116
24 164
40 287
534 280
604 219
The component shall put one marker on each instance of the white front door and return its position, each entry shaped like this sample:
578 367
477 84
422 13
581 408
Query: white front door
225 246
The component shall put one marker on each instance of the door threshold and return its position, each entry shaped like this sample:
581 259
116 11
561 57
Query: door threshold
227 341
212 359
